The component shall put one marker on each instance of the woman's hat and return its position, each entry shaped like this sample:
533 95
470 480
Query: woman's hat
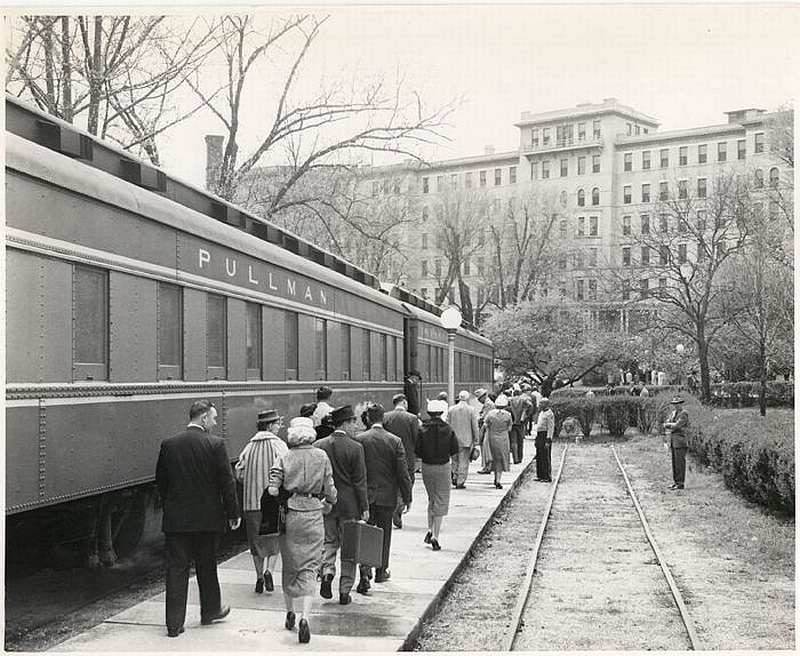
301 422
676 400
342 414
437 407
544 401
480 392
268 416
501 401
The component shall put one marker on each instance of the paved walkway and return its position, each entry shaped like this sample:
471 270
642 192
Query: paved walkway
380 621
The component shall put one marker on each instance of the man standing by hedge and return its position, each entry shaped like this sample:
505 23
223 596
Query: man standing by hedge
676 425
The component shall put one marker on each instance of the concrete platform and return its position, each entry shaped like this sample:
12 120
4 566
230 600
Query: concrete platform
383 620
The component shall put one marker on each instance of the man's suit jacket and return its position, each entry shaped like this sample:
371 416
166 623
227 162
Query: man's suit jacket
387 468
520 409
196 484
406 426
464 421
349 474
680 419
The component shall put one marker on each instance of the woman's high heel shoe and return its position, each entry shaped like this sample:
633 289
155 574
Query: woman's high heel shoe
303 632
497 485
290 620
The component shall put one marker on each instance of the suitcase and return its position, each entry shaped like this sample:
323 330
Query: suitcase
362 543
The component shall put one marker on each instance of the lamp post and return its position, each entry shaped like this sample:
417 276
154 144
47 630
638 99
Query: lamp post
679 349
451 320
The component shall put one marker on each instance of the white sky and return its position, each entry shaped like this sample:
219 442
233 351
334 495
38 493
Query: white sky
682 64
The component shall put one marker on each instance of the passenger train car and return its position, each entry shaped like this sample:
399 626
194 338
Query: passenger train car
130 294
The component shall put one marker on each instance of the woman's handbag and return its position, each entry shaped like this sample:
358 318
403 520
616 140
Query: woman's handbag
273 513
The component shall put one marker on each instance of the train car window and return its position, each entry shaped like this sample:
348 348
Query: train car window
90 327
170 332
253 341
292 342
216 337
430 353
321 348
384 361
366 355
346 352
391 366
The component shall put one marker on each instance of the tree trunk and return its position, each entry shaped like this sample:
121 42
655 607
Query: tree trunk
762 391
705 374
67 111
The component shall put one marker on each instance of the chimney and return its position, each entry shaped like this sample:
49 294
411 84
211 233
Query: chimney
213 159
488 149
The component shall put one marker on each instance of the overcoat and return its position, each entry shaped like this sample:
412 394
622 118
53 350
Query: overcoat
349 474
387 468
464 421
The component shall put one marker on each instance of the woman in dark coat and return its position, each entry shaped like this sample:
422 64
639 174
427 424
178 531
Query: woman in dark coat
437 442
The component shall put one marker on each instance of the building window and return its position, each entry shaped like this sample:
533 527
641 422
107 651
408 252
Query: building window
216 336
437 267
291 346
626 290
645 255
425 185
774 176
595 163
512 175
581 229
645 192
424 240
683 190
596 129
592 257
424 265
468 180
681 253
439 183
662 284
581 131
545 169
595 196
628 162
702 154
481 265
683 156
701 187
663 223
663 191
535 137
562 228
321 348
664 152
562 262
564 168
454 180
498 177
663 255
630 129
581 198
534 166
741 148
395 186
253 341
626 256
90 323
626 194
773 210
682 225
626 225
701 250
545 136
592 290
644 285
593 227
645 229
376 187
759 143
579 293
582 165
645 160
759 180
701 221
722 151
637 130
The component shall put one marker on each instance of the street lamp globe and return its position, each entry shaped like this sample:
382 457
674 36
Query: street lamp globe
679 349
451 318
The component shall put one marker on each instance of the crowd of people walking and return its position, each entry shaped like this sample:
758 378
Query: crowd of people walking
298 494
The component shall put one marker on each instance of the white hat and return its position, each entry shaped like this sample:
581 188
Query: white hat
305 422
517 388
437 406
501 401
463 395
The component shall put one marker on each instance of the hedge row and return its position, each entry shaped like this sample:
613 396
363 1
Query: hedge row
779 394
754 454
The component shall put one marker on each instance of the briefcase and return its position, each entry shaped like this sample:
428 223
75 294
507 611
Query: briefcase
362 543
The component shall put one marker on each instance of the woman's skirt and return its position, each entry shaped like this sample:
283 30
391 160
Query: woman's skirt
301 552
501 452
261 546
437 484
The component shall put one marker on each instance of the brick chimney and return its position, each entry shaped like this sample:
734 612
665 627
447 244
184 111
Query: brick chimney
214 144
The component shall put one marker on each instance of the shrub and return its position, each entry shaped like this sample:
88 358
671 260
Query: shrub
744 394
583 409
617 412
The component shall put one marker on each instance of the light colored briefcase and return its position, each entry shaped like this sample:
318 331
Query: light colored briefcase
362 543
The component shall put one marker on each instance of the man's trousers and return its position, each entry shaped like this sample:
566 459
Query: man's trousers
181 549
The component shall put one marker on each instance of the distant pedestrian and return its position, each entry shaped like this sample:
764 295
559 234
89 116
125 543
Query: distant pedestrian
497 426
437 442
463 419
350 477
520 409
545 428
487 404
644 391
308 409
324 407
305 472
255 462
198 494
413 392
443 397
405 425
675 426
387 475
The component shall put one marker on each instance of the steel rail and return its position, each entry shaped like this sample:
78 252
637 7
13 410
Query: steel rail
516 617
676 593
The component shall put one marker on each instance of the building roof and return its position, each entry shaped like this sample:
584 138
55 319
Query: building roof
676 135
608 106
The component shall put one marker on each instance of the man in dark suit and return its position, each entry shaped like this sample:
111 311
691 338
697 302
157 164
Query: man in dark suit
405 425
387 474
350 479
676 425
520 411
198 493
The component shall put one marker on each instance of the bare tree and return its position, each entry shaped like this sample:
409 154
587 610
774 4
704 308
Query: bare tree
780 189
118 73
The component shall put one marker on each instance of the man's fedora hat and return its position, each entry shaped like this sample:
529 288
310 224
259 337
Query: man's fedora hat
480 392
676 399
268 416
342 414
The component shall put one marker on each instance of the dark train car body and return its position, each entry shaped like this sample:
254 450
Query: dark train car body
130 294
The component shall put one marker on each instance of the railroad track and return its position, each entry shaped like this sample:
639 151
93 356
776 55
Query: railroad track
597 579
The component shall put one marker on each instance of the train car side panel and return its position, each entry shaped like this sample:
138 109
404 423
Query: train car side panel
24 447
132 314
194 342
38 298
306 347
